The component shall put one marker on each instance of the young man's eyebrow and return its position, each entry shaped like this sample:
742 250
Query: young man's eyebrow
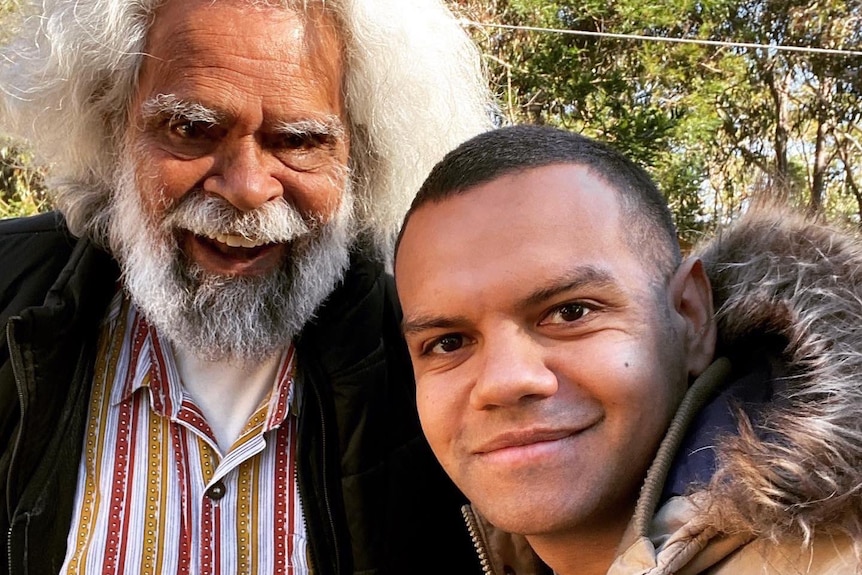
168 105
418 323
329 126
579 277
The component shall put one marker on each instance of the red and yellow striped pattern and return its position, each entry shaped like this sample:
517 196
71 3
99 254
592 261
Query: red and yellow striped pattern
154 495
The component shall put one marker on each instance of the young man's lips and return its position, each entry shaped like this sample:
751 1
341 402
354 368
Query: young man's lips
523 438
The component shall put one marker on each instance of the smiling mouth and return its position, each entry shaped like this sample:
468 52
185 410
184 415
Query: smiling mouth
233 254
234 246
524 439
236 241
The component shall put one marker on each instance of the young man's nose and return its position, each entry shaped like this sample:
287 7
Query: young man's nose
245 176
512 369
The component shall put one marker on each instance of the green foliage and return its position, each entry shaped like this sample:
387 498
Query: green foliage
716 126
9 9
22 190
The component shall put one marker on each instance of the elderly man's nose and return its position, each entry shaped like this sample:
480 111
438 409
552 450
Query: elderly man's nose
245 176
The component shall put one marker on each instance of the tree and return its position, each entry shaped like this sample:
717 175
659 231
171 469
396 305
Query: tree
22 189
801 105
716 125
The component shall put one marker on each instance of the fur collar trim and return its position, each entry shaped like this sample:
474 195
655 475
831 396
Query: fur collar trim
799 469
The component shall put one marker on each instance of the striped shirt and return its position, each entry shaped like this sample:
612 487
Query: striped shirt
154 495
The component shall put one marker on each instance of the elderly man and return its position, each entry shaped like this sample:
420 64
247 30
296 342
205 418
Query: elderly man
201 369
574 382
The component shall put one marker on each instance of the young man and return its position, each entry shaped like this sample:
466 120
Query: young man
201 369
575 384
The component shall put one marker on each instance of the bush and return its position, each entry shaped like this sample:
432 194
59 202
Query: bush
22 189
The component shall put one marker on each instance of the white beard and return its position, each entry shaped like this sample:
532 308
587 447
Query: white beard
237 319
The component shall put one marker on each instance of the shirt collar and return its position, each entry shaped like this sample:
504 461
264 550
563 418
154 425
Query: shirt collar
147 361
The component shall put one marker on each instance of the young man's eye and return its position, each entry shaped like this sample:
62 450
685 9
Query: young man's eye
567 313
445 344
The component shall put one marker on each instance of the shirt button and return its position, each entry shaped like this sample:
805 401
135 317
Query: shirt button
217 491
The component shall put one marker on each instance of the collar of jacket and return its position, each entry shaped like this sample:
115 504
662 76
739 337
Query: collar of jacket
796 470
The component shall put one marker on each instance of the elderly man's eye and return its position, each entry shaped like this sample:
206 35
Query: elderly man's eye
303 151
298 141
191 130
446 344
301 141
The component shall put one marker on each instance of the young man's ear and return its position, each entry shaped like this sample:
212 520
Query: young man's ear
691 298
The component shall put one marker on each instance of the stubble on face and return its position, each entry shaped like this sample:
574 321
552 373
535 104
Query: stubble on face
240 319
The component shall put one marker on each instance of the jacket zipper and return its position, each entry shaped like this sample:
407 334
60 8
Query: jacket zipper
478 544
325 488
308 556
9 548
328 505
294 409
17 369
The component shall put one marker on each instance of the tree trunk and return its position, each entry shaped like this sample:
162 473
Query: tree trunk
781 179
821 162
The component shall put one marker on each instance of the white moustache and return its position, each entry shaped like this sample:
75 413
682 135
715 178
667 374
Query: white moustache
216 219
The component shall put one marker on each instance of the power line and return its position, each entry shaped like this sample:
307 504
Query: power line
777 47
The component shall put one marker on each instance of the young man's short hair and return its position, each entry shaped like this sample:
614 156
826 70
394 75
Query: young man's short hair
649 224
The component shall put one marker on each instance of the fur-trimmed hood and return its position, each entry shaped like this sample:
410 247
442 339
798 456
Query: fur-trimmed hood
799 468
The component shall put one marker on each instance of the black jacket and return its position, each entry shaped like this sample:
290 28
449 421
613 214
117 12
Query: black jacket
374 498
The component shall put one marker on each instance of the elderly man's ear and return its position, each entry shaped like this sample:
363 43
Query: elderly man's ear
691 295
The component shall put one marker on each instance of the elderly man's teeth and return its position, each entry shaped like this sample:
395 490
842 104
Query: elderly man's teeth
238 241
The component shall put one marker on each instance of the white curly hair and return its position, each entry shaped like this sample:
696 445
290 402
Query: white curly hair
413 90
